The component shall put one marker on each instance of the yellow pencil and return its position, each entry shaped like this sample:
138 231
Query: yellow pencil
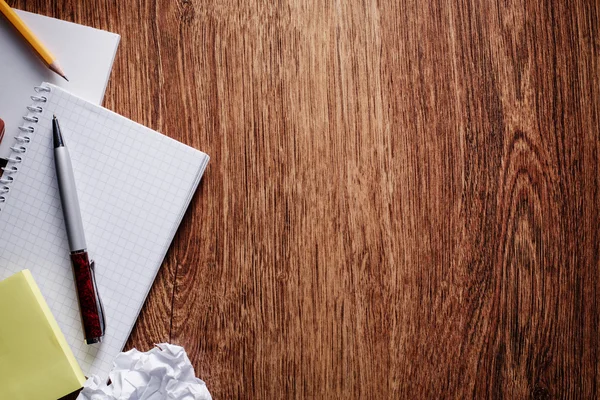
33 41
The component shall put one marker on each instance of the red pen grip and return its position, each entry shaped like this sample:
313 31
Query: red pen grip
88 305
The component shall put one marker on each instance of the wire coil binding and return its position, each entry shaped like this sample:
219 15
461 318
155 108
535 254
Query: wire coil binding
21 140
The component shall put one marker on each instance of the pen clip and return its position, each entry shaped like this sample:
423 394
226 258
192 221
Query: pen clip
98 299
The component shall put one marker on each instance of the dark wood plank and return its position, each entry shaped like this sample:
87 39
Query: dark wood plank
402 200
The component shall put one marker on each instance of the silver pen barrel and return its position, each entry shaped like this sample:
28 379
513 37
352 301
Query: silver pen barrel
68 192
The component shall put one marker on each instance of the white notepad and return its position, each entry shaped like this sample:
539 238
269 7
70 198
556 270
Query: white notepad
134 186
85 53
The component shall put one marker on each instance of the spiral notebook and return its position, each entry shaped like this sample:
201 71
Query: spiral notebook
134 186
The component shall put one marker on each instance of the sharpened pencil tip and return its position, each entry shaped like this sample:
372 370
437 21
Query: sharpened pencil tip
54 66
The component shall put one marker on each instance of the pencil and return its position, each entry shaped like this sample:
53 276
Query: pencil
33 41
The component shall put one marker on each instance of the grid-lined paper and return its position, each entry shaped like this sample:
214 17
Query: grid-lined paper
133 184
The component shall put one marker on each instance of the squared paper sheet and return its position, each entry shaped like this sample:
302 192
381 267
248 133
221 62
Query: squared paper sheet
134 186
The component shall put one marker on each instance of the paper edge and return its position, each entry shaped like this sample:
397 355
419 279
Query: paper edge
112 64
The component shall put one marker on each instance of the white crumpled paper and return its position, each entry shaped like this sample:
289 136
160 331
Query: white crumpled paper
163 373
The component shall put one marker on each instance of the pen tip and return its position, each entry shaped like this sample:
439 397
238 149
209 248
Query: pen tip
66 79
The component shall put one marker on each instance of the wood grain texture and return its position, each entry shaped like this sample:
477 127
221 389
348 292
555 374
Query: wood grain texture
402 199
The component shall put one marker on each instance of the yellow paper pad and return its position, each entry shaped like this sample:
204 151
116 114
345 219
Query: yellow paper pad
35 361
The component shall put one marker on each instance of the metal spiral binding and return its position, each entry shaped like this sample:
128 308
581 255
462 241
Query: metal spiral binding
21 140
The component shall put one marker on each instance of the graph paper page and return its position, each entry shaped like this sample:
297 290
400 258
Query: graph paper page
134 186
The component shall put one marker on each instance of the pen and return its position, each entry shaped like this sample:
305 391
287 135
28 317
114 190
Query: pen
90 305
41 50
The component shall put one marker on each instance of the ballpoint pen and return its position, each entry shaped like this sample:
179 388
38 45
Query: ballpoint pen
90 305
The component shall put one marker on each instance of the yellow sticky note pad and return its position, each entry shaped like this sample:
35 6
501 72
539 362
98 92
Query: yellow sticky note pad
36 362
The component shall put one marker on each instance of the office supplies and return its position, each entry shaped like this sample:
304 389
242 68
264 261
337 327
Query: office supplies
90 304
87 54
134 186
42 51
35 360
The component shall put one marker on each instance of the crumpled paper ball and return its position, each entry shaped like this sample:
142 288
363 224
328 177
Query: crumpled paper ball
163 373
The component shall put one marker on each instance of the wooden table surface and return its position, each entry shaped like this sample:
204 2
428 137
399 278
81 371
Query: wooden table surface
402 200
